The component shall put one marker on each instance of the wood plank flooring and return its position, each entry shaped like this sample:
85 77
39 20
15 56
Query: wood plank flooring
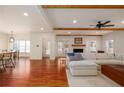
44 73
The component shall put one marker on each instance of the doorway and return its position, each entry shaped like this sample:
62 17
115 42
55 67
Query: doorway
46 48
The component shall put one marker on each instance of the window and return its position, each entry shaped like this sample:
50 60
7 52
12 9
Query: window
109 46
27 46
92 46
22 45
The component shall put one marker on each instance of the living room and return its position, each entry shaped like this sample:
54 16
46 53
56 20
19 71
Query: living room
51 32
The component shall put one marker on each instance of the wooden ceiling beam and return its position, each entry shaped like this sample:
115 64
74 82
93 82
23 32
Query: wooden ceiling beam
92 29
77 35
84 6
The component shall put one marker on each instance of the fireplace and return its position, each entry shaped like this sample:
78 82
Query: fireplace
78 50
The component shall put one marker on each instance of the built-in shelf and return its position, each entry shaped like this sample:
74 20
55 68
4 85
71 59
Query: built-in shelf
78 45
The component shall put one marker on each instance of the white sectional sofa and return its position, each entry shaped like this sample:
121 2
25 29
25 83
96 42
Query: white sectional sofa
107 61
83 67
90 66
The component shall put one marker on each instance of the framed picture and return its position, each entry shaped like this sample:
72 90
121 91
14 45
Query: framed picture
78 40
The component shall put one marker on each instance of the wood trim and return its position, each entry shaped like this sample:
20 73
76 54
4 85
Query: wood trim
78 35
84 6
78 45
106 29
35 59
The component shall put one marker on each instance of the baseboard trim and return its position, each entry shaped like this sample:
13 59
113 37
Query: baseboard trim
35 59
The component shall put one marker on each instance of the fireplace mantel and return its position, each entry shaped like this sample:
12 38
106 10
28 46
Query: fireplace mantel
78 45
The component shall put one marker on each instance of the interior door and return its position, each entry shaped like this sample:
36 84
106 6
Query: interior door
46 48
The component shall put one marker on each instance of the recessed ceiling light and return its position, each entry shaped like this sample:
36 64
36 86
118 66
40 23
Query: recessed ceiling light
42 28
25 14
74 21
96 31
122 22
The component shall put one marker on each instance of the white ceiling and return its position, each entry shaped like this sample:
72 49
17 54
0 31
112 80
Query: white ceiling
12 18
85 17
63 18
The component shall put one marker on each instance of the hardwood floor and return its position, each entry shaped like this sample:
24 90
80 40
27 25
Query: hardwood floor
45 73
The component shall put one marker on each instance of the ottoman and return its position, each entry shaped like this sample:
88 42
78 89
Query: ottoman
83 67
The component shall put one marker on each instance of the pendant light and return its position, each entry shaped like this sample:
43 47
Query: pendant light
11 39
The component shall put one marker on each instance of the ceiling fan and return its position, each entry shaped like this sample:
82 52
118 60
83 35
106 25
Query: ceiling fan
101 24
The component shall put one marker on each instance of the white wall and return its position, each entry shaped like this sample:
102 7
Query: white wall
3 41
20 36
70 40
36 46
118 37
36 39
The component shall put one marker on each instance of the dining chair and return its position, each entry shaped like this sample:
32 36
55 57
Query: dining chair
15 56
8 59
2 64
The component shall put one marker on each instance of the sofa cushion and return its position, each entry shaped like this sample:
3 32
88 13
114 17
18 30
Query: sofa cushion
79 56
73 58
82 63
76 57
70 54
102 56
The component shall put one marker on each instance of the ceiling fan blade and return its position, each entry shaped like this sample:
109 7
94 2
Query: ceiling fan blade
106 22
108 25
